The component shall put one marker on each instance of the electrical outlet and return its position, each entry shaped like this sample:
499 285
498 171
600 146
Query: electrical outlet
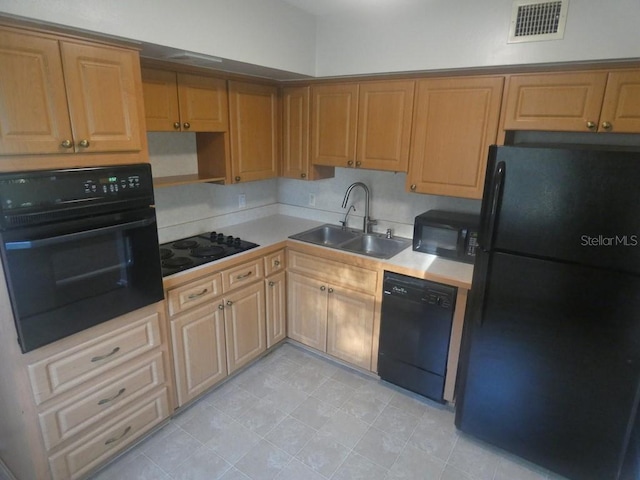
312 199
242 201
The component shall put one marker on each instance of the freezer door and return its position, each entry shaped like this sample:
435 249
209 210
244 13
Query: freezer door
577 205
550 368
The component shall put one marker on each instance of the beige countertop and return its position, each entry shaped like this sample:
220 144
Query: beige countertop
274 229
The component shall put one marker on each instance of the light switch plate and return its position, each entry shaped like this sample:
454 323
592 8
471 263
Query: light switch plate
242 201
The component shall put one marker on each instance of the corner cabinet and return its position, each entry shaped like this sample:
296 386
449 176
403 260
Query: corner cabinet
254 120
362 125
184 102
331 307
455 121
65 96
296 159
591 101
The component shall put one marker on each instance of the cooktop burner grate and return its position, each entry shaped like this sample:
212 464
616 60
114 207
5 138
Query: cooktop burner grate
186 253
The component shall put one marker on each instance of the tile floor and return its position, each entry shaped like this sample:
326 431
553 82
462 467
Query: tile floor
296 416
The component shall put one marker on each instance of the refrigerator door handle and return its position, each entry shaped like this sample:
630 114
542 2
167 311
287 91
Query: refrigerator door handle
496 192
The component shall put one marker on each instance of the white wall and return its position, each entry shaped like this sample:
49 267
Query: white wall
449 34
261 32
191 209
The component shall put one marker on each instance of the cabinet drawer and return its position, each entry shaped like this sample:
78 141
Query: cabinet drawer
90 451
274 263
89 406
63 371
334 272
194 293
242 275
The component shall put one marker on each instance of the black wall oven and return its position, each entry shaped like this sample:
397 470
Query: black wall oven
79 247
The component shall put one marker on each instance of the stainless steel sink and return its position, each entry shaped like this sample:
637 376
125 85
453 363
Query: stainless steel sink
376 245
348 240
327 235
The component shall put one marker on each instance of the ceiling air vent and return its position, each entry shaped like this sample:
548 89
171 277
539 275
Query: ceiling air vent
533 20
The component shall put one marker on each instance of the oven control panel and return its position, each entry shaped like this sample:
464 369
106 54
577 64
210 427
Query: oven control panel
111 185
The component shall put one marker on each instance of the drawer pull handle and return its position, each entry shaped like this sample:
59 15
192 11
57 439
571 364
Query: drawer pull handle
248 274
102 357
113 440
199 294
107 400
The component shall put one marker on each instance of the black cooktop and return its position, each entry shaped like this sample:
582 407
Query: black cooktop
190 252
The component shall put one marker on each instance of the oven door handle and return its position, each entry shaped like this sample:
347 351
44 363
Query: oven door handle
45 242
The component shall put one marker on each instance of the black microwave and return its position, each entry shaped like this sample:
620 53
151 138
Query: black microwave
452 235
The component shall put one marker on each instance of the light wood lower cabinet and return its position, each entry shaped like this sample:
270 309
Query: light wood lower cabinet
199 351
331 307
276 302
218 324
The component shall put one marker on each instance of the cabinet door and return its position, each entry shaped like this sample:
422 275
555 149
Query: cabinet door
253 117
554 101
384 125
244 318
307 311
350 326
160 100
456 119
103 90
198 351
295 132
203 103
34 117
333 124
621 105
275 287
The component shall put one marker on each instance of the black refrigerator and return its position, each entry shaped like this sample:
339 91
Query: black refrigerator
550 361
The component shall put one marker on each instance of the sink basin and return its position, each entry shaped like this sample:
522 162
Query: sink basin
327 235
376 245
370 244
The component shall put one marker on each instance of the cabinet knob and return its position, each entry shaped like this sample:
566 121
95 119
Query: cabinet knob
303 175
271 283
413 187
66 144
323 288
607 125
229 303
176 125
84 143
358 164
591 125
350 162
186 125
276 263
221 307
237 179
330 290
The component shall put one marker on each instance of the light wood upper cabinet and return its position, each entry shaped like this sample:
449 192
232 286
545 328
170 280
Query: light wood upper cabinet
60 96
593 101
184 102
333 125
295 137
253 118
366 125
384 125
455 121
621 104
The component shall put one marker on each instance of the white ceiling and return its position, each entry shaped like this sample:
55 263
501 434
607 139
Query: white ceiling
336 7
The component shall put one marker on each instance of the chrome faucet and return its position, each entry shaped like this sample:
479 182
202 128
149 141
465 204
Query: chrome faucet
367 222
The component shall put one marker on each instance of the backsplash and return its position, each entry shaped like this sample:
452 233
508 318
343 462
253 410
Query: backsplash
190 209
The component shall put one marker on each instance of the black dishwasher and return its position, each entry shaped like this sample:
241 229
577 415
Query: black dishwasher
415 329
